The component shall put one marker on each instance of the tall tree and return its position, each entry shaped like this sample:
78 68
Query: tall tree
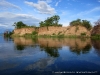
50 21
19 24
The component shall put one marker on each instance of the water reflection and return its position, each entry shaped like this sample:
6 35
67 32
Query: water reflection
81 47
25 55
96 45
52 45
21 43
20 47
41 64
51 51
7 39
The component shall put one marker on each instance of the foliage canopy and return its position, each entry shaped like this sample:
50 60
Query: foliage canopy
19 24
84 23
50 21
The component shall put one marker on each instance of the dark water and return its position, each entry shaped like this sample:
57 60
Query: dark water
49 56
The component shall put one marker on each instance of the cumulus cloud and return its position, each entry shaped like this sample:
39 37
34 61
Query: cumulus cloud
57 3
48 1
42 7
5 5
7 19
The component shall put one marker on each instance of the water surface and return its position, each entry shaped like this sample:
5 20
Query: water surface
48 56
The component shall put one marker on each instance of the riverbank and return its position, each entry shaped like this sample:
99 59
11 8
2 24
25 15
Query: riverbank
54 31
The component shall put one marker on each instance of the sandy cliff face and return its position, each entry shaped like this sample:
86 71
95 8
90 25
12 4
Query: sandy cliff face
23 31
70 30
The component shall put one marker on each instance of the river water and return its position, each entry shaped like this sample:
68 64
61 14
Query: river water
49 56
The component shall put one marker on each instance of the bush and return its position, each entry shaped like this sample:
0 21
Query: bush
59 33
34 33
83 34
53 34
84 23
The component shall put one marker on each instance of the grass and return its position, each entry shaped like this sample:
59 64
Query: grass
95 37
49 36
35 35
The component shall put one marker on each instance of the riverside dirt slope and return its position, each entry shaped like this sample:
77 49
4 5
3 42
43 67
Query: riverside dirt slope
69 30
96 30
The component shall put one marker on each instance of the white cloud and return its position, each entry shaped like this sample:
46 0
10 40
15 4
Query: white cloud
5 5
98 0
64 13
57 3
1 25
94 10
7 19
42 7
48 1
89 11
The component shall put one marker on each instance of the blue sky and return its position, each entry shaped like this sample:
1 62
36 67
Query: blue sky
32 12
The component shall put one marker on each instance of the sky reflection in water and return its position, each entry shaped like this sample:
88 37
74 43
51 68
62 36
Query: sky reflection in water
23 56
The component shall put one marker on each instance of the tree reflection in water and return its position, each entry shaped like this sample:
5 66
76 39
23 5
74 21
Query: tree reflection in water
20 47
51 51
51 46
96 45
7 38
80 50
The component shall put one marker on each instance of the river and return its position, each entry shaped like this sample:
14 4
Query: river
49 56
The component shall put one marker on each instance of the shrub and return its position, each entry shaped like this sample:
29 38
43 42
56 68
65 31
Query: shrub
53 34
59 33
34 33
83 34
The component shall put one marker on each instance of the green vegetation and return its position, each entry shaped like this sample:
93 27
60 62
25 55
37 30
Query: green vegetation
54 21
95 37
20 24
84 23
8 33
50 21
34 33
83 34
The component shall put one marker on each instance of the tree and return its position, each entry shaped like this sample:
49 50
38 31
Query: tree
41 24
19 24
76 22
84 23
50 21
98 22
55 19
